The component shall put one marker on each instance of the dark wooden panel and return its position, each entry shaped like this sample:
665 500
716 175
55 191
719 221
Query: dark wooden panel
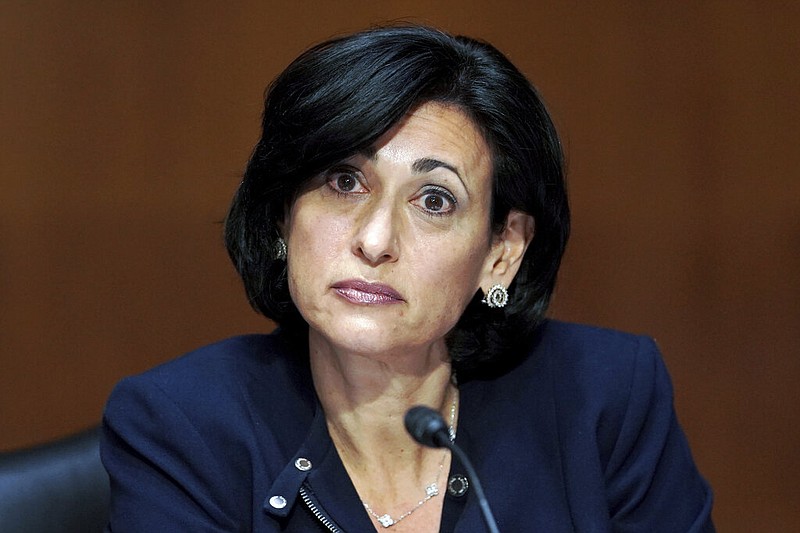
125 127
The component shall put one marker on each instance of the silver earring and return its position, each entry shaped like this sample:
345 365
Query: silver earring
279 249
497 297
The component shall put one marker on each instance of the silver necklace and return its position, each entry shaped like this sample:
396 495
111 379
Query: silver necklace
431 490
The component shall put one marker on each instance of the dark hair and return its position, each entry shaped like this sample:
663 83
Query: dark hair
338 98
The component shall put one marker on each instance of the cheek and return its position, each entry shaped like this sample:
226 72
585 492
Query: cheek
310 250
453 273
314 238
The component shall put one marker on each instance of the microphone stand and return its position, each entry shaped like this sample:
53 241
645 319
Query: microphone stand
427 427
486 511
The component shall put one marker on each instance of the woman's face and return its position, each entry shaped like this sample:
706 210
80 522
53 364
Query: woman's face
386 249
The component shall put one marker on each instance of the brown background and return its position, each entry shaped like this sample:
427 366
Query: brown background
125 127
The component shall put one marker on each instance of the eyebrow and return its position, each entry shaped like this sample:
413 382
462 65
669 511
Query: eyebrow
427 164
420 166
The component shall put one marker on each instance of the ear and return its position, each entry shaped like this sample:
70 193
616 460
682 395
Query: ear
508 248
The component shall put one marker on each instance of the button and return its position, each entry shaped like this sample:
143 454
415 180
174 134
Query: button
278 502
458 485
303 464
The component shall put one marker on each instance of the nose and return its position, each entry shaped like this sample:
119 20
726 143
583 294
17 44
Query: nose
376 236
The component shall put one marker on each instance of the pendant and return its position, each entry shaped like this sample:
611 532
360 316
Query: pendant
386 520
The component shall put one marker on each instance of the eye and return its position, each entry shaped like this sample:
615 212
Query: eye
344 181
436 201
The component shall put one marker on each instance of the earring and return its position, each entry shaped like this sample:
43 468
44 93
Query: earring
279 249
497 297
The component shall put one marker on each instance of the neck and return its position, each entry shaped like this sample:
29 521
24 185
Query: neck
365 398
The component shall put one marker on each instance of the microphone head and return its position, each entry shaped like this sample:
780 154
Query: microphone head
427 426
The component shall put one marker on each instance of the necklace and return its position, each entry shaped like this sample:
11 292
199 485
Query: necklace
431 490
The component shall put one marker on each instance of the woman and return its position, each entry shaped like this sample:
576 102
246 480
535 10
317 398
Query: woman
402 218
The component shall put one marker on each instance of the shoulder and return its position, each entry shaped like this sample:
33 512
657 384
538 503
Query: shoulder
212 368
594 358
597 369
586 358
589 376
211 386
601 402
591 345
188 440
613 403
223 360
604 383
594 378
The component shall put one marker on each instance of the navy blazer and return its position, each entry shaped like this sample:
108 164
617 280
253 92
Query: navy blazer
581 436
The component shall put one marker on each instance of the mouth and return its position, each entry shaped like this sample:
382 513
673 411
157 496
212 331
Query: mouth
367 293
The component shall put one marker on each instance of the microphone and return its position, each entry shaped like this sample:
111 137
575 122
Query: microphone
427 427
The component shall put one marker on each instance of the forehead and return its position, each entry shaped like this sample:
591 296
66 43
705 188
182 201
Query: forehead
435 130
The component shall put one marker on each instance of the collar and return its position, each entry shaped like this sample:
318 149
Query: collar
317 445
317 468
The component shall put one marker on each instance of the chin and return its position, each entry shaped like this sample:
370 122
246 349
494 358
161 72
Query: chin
362 335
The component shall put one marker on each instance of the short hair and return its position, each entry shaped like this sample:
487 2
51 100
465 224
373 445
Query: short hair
338 98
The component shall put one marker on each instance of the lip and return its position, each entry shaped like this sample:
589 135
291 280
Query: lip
367 293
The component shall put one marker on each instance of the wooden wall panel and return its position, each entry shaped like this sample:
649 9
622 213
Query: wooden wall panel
124 128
